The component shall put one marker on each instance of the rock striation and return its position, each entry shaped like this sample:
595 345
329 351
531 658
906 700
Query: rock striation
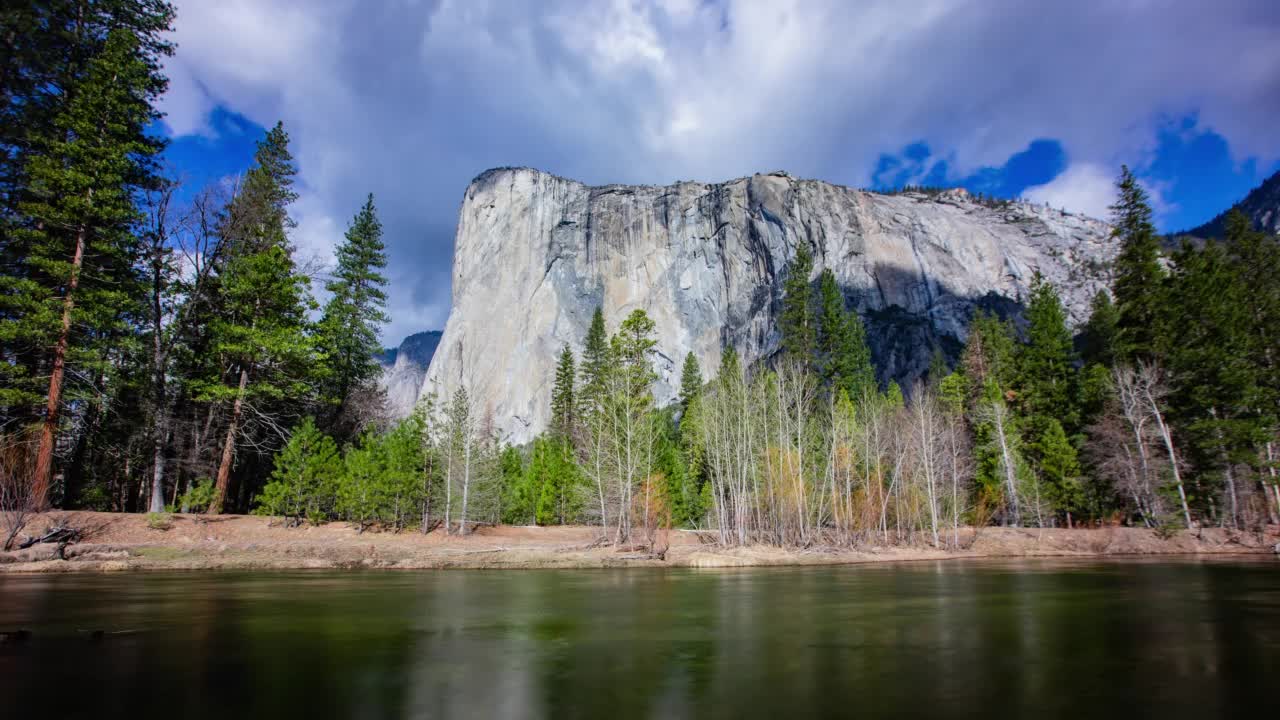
535 254
403 370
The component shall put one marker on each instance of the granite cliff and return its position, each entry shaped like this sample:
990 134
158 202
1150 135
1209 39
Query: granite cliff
403 369
535 254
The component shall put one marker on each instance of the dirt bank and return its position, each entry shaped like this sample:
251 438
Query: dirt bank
116 542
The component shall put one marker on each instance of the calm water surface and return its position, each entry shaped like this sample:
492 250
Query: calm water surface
1045 639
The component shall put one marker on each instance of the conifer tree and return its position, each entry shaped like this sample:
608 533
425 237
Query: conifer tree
1046 362
1060 469
595 360
260 331
1253 259
1098 337
77 254
305 478
796 321
690 381
355 312
843 358
1215 384
552 476
831 330
1138 276
564 401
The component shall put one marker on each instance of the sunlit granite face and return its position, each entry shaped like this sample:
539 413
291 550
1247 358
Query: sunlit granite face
535 254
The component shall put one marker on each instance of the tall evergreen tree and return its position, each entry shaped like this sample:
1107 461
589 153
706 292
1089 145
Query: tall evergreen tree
75 280
1138 275
564 400
843 357
356 311
595 360
690 381
260 331
1098 337
1215 384
796 321
1046 362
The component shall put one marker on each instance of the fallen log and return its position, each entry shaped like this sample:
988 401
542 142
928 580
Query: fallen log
61 535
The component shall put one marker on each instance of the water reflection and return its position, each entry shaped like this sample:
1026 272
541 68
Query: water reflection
940 639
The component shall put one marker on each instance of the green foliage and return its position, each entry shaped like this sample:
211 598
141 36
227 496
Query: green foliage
595 361
1046 363
305 478
356 310
690 380
198 496
159 520
843 356
989 353
564 401
79 155
796 320
1098 337
1138 274
519 496
555 476
1059 468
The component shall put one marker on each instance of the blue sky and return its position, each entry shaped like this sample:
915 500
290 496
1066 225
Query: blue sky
410 99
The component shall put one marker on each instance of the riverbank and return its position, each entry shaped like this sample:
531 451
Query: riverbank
120 542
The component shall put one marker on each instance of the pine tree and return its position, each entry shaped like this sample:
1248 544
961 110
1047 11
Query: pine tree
553 478
690 381
356 311
564 401
1060 470
843 358
730 366
832 328
1215 384
595 361
989 353
1138 274
796 320
516 506
305 478
361 489
77 256
1098 337
1046 362
260 331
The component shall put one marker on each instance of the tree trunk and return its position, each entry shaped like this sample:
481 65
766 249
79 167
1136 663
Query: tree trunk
466 483
160 427
229 447
1173 456
48 432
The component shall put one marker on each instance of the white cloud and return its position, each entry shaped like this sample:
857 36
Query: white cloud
411 99
1081 188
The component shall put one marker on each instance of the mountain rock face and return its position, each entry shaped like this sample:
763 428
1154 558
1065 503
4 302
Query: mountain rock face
536 254
403 370
1261 205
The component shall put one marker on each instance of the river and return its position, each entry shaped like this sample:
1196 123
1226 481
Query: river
1049 639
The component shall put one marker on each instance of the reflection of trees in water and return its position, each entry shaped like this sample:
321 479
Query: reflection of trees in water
1021 638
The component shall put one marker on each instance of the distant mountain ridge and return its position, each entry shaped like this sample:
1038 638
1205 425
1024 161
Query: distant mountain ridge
404 368
1261 205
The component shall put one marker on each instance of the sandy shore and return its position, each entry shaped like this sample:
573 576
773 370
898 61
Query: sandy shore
120 542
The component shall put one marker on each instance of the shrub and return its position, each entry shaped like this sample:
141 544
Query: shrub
198 497
159 521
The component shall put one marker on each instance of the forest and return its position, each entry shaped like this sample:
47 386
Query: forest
162 350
